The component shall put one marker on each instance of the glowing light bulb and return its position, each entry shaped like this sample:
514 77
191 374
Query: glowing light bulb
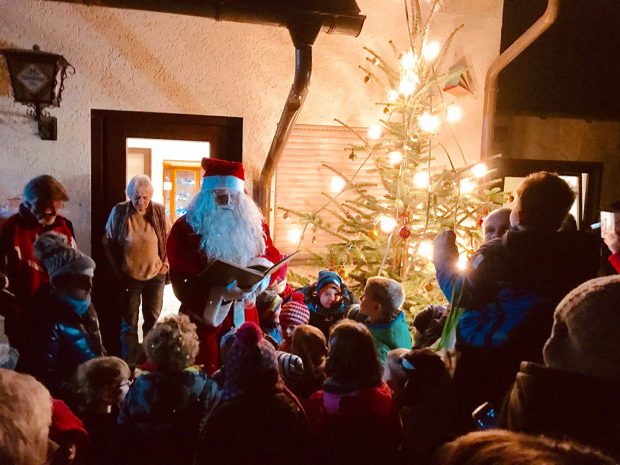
454 113
462 263
375 131
408 59
479 170
429 122
337 184
392 95
395 157
387 224
426 250
431 50
407 86
421 179
467 186
294 235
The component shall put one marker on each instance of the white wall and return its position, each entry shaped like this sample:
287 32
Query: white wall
155 62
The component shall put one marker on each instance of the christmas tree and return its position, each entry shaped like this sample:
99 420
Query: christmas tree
392 235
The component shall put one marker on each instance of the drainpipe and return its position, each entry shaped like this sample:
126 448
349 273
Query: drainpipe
304 34
490 87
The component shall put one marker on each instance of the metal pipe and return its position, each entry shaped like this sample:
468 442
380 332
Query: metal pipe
348 21
490 87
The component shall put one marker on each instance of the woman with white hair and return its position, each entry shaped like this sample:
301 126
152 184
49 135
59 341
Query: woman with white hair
135 245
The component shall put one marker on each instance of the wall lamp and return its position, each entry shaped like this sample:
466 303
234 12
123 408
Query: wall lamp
37 79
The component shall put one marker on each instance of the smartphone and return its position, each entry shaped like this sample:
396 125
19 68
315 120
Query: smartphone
485 417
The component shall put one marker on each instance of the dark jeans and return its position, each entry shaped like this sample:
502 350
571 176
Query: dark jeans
152 294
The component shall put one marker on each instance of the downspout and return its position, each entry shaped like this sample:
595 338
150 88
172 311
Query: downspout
490 87
303 33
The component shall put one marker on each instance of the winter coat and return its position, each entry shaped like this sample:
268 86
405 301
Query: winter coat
57 340
324 318
359 426
391 335
562 404
267 428
17 259
509 293
161 413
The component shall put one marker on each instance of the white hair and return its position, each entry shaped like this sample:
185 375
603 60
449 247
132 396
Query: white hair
139 180
25 418
235 235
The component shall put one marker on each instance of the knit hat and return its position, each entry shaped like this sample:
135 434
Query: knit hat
294 312
327 277
586 330
59 258
251 365
291 366
222 174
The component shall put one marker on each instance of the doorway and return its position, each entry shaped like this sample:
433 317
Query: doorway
166 147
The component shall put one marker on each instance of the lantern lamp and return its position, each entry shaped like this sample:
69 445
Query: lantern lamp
37 79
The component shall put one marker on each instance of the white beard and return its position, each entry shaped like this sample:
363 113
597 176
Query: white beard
235 235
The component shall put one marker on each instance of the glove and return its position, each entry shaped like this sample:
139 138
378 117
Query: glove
232 292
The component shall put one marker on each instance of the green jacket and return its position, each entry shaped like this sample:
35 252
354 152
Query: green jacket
391 335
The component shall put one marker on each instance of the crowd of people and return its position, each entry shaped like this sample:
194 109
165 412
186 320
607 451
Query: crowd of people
270 374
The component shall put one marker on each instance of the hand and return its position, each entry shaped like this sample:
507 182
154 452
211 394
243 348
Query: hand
445 244
613 242
234 292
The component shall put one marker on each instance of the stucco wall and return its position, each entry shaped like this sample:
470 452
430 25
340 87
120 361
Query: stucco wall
154 62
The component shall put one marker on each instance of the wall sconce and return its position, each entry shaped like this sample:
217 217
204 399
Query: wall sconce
37 79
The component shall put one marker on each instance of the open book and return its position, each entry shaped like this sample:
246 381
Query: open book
221 272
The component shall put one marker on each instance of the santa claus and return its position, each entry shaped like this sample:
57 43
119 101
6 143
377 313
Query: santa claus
222 222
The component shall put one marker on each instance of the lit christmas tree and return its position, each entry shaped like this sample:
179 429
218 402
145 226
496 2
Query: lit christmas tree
392 235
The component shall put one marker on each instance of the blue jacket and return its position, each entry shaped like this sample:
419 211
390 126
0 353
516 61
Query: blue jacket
512 286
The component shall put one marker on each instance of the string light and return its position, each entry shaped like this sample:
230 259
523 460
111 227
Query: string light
479 170
431 50
395 157
467 186
407 85
454 113
428 122
387 224
408 60
392 95
294 235
426 250
461 264
337 184
375 131
421 179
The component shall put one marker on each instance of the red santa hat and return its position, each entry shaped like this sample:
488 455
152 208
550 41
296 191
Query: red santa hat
222 174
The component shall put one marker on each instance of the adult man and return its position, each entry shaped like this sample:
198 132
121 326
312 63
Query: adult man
43 198
222 222
511 288
135 245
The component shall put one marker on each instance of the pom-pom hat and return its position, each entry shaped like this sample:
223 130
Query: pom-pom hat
222 174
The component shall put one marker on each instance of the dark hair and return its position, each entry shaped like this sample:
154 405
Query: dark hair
352 357
44 188
545 200
500 447
265 301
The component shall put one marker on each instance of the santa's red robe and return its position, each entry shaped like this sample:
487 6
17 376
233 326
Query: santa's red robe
187 260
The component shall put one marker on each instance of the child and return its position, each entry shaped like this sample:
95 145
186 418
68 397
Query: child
354 417
328 300
510 289
268 305
164 405
101 385
310 345
381 303
293 314
257 420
